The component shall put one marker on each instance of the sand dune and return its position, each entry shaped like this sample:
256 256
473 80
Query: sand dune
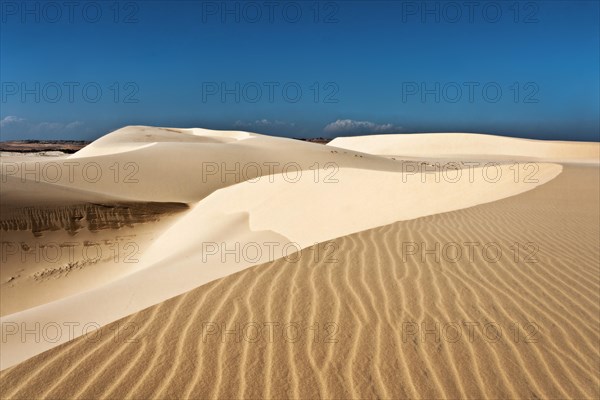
378 251
328 193
50 252
468 145
358 329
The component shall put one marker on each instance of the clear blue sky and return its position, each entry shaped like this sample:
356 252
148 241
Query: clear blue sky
303 68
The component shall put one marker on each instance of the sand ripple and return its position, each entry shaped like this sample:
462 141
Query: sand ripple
367 322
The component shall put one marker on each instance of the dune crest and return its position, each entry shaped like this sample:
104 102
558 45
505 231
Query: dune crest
471 146
377 321
257 196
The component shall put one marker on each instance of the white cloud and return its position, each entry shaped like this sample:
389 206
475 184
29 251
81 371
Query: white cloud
10 119
349 126
74 125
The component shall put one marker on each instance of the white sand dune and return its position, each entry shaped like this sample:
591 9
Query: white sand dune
470 146
270 196
366 324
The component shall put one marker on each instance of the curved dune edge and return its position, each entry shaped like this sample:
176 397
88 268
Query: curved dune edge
121 141
471 145
370 294
137 165
275 211
192 165
269 212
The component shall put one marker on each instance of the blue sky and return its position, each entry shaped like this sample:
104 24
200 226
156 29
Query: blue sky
301 68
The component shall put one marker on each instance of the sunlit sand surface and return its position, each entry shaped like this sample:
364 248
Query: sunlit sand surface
402 282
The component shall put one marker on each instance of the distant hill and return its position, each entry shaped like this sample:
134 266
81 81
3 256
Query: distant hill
34 146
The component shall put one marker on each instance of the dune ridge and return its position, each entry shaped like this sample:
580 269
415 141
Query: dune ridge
466 145
227 207
375 295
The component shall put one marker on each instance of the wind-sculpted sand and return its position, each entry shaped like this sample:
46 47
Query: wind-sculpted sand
52 251
90 216
468 145
190 263
163 208
508 307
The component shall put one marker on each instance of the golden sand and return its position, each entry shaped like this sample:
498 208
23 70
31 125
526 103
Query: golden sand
353 328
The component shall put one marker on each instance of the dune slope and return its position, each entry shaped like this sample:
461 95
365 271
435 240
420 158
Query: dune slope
246 192
471 146
351 326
